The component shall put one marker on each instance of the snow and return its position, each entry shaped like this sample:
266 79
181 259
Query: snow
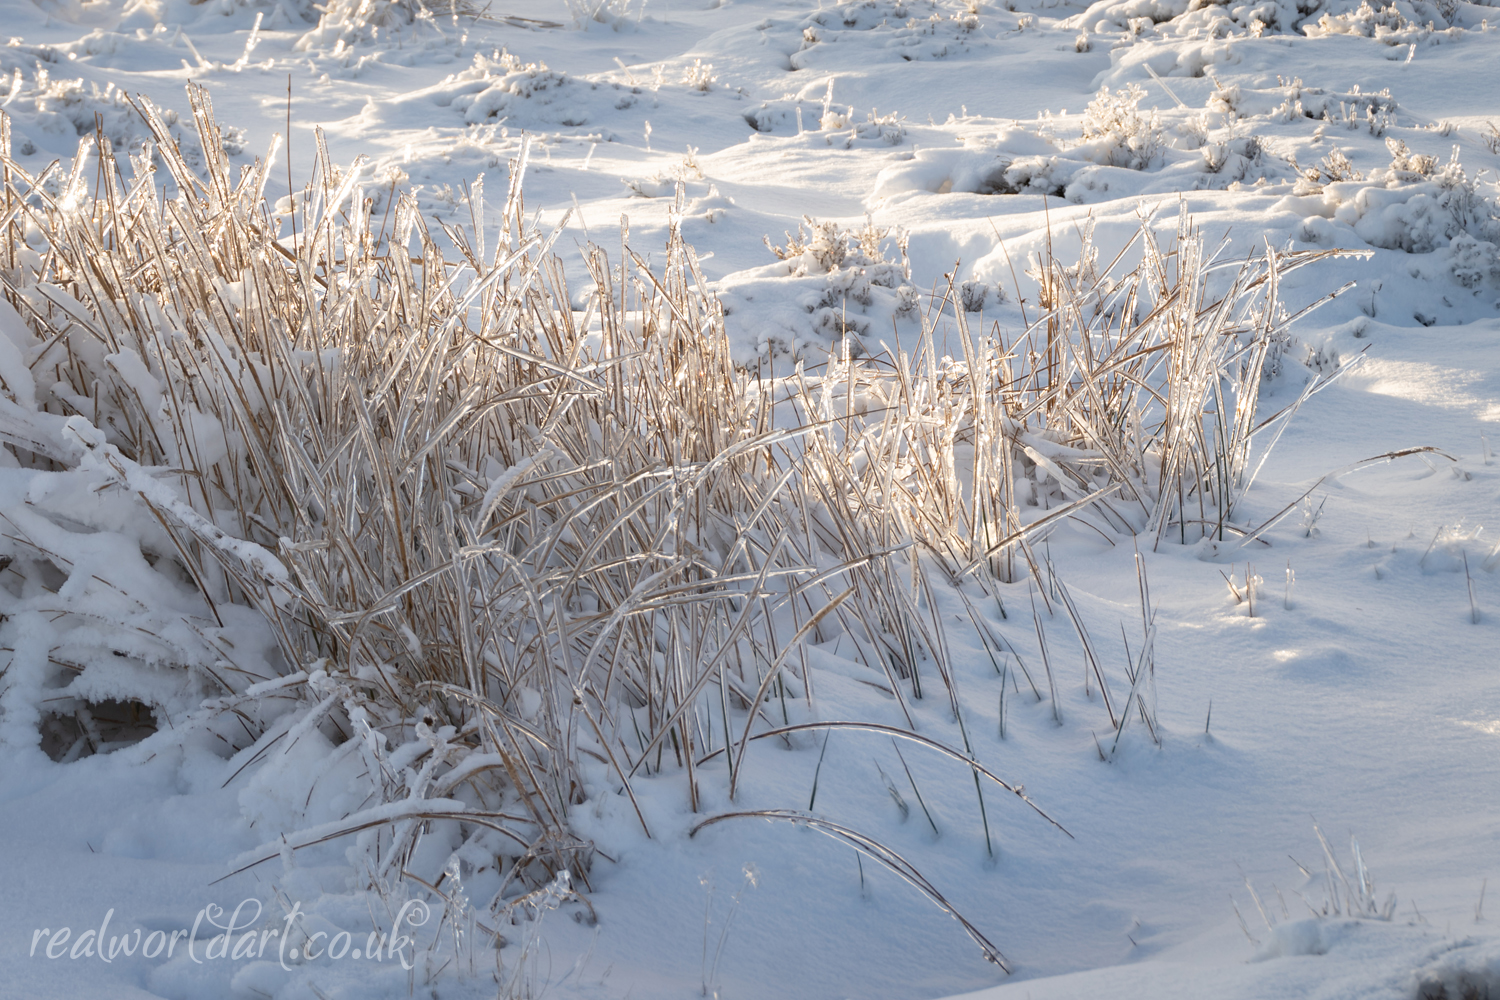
911 141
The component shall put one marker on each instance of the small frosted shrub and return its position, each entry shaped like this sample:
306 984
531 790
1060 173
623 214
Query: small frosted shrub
700 76
1121 134
1336 167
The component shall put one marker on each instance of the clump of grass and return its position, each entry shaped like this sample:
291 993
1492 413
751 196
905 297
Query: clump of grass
1348 894
494 536
824 247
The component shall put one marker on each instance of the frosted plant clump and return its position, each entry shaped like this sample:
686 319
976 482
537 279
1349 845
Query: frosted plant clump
856 269
346 23
1414 204
829 283
826 247
895 30
58 108
1472 261
1386 24
1117 133
699 76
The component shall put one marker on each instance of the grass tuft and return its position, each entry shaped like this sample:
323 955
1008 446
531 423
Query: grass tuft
500 536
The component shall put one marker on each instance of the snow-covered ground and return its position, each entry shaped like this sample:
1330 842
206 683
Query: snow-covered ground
1360 701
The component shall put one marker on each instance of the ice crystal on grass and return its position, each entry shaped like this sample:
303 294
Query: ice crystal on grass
484 95
1346 895
888 128
607 12
1194 20
343 24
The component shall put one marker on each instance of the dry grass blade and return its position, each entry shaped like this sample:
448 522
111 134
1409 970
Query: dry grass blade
875 851
903 734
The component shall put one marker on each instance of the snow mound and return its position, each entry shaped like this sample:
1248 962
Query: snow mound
1396 23
1416 206
503 90
1119 152
1470 971
50 109
888 30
